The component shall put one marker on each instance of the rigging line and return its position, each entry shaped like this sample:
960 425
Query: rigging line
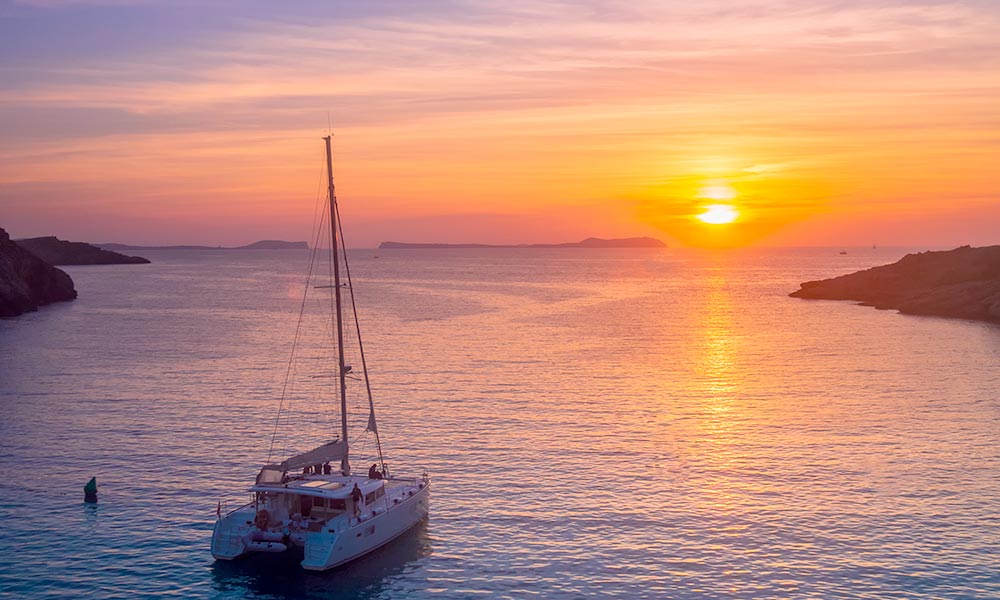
295 340
318 247
363 436
298 324
290 378
317 228
328 326
328 323
361 346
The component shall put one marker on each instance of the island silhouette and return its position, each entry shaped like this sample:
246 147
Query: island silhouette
591 242
261 245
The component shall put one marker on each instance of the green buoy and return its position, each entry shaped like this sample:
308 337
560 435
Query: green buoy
90 491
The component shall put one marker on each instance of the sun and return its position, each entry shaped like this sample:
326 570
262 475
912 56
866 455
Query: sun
718 214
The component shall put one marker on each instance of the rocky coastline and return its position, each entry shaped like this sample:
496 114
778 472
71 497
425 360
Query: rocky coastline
962 283
60 252
27 282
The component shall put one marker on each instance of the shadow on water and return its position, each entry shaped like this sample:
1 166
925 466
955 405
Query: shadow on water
280 576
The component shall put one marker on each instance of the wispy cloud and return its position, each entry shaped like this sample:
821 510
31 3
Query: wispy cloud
813 104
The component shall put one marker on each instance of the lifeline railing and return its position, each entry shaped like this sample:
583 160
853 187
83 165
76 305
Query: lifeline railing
222 509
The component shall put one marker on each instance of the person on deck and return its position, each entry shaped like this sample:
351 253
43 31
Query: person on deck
357 498
374 473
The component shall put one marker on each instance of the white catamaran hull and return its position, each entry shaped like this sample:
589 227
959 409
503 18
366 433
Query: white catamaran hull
328 550
236 534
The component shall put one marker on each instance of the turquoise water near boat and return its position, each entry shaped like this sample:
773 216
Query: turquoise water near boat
596 423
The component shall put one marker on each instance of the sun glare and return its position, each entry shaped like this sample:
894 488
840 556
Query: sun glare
718 214
718 191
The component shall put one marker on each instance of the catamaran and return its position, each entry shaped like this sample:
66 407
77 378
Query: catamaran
313 501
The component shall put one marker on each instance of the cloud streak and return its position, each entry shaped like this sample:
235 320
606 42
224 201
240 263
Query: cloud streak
508 109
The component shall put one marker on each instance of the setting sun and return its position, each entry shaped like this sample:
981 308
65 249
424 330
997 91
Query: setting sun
718 214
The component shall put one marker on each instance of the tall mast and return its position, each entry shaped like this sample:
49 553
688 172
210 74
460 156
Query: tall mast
345 466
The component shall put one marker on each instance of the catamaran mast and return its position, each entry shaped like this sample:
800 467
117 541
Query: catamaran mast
345 466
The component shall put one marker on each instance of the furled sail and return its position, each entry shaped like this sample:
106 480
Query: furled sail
333 451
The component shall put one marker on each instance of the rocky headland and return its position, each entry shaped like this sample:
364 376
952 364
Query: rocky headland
636 242
60 252
961 283
27 282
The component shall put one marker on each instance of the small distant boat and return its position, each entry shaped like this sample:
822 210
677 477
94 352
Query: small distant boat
843 251
313 501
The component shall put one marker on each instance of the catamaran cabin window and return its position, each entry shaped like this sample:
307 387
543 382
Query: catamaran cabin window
373 496
329 505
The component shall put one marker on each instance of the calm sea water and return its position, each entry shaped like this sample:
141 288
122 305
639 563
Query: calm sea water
613 423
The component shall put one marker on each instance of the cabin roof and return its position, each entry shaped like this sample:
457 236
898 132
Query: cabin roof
326 486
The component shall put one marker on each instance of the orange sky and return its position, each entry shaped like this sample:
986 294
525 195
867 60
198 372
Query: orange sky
832 123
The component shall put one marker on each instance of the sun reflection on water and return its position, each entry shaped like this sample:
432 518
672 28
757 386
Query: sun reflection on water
717 363
719 444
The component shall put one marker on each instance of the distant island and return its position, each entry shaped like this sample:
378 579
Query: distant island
261 245
636 242
27 282
60 252
962 283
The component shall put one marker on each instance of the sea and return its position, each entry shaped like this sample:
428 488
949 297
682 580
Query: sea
596 423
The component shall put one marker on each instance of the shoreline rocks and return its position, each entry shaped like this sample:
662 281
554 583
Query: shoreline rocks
27 282
962 283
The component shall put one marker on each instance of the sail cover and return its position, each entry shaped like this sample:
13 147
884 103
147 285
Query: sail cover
333 451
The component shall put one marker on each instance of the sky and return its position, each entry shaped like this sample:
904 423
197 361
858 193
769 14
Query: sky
813 122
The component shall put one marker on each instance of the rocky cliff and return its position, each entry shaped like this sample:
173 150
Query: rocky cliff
962 283
60 252
27 282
